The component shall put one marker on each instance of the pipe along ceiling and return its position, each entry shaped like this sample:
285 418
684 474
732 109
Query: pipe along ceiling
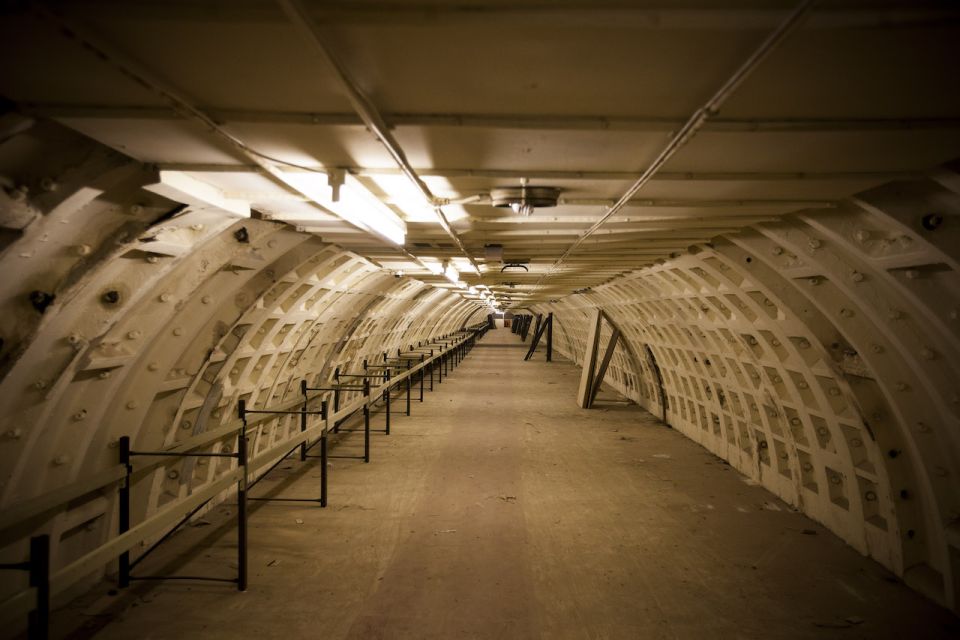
788 295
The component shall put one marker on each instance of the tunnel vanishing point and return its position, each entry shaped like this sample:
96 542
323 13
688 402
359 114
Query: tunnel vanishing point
276 240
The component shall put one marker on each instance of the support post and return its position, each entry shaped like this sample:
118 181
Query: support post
421 377
604 363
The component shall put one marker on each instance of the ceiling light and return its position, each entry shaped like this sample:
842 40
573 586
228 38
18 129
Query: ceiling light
524 199
350 200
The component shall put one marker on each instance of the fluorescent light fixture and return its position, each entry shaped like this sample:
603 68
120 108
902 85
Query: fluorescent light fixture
406 197
434 267
464 265
355 204
451 273
472 290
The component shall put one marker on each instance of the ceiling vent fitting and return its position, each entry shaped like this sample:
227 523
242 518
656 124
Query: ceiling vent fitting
524 199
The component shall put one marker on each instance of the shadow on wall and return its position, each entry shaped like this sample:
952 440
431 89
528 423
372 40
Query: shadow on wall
819 356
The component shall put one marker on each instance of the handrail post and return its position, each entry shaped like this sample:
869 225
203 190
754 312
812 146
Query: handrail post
421 376
366 420
432 365
242 500
386 398
303 420
550 337
323 455
408 387
38 625
123 508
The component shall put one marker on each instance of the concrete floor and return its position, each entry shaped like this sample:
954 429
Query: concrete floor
501 510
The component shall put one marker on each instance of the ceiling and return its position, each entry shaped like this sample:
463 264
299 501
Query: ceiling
583 96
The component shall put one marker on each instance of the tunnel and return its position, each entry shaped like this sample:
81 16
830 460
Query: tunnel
455 319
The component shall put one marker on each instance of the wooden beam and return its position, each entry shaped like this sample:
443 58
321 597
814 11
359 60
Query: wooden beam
589 361
604 363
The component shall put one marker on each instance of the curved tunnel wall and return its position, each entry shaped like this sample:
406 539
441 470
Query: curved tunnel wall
818 356
133 315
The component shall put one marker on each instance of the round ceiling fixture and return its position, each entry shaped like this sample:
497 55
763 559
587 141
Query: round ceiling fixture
524 199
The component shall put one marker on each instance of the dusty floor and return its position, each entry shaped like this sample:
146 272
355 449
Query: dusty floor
501 510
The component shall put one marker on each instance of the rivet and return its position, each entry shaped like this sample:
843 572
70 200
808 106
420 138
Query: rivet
803 384
927 353
272 244
857 276
856 442
82 249
133 335
803 343
877 348
61 460
153 366
870 496
49 184
905 241
103 375
132 404
846 313
165 297
173 474
814 243
153 259
775 342
40 385
823 431
777 379
80 415
796 421
784 456
862 235
834 391
777 251
186 424
13 434
206 299
835 479
135 209
197 227
807 466
912 274
922 427
814 281
895 314
177 331
902 386
74 338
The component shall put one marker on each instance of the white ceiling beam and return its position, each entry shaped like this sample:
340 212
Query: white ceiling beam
495 121
533 13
